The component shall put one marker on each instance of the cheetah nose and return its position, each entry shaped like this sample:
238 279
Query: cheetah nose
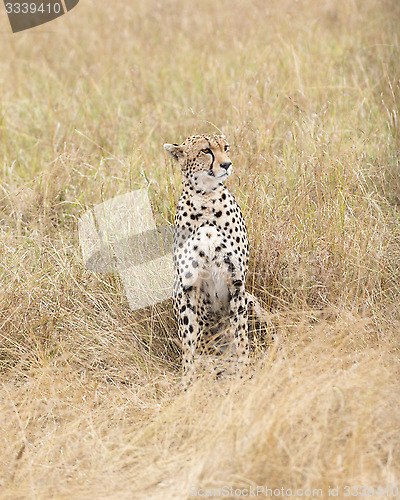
226 165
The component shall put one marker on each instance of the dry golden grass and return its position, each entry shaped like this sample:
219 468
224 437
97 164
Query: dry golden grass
308 94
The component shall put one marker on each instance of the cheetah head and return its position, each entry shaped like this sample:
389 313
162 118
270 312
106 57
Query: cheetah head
203 160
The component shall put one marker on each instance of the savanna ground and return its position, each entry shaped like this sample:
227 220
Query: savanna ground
308 94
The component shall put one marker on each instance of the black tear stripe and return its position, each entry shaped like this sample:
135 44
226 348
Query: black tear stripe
210 172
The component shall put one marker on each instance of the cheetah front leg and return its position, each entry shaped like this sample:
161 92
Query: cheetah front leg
188 333
238 323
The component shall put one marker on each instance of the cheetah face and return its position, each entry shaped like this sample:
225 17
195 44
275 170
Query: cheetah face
203 160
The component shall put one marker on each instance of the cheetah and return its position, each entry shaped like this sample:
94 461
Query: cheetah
210 255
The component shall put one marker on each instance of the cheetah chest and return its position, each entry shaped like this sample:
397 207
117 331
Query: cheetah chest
214 275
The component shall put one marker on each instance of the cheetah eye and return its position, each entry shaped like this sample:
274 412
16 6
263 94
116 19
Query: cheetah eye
227 148
206 151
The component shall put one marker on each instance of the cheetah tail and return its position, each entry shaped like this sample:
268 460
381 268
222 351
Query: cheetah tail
259 312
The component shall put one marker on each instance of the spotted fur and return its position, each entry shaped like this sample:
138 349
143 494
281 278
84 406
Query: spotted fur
210 253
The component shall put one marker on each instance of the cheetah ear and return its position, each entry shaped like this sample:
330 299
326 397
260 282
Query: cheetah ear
175 151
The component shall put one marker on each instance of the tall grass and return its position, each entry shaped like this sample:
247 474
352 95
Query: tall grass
308 95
